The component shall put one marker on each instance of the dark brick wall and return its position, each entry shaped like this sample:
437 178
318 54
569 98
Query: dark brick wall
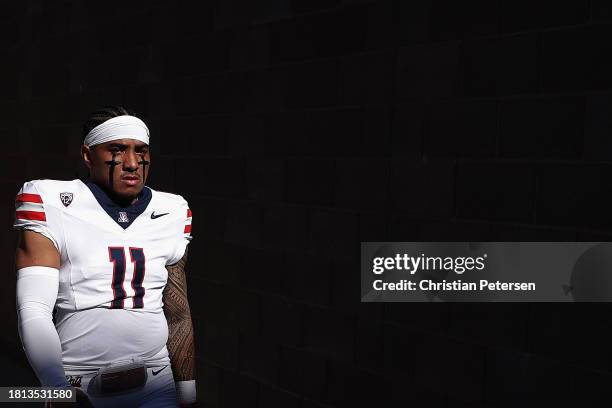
297 129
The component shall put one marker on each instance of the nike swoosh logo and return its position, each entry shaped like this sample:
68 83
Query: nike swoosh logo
153 216
158 371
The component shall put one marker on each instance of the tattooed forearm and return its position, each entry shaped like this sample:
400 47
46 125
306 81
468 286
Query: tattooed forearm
180 328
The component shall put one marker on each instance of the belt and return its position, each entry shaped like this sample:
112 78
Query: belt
121 377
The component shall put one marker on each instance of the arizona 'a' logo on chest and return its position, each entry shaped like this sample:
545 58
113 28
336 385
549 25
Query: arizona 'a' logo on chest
123 217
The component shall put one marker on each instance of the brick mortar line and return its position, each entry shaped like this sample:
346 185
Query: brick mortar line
433 42
268 205
262 381
262 295
462 341
393 104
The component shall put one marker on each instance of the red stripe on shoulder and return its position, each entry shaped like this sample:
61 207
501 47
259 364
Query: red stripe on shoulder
188 212
28 198
30 215
187 229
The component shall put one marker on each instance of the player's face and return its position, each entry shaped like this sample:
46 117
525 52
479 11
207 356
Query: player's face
121 166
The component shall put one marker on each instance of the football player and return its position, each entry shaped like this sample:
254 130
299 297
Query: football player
107 256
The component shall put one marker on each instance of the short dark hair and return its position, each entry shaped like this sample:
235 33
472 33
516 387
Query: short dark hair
100 116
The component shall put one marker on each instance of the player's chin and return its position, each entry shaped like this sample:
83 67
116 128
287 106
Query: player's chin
127 188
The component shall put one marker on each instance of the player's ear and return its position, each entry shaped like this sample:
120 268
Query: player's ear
86 153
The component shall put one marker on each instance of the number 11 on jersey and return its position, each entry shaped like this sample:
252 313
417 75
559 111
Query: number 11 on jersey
117 256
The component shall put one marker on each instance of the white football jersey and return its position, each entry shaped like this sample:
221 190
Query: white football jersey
113 267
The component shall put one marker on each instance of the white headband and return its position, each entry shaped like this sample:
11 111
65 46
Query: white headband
119 127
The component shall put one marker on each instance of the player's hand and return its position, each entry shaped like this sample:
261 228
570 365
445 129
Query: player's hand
82 401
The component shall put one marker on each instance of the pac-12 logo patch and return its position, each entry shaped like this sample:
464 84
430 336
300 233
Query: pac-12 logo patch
66 198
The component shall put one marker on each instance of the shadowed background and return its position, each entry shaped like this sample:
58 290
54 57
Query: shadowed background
297 129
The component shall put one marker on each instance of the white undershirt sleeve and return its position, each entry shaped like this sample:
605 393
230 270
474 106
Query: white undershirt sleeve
37 288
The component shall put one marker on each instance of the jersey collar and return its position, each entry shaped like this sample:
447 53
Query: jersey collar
123 216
